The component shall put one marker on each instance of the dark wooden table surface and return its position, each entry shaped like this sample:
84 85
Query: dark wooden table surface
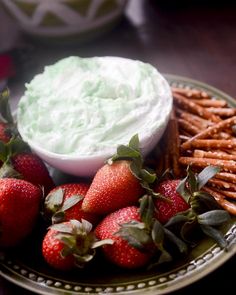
195 41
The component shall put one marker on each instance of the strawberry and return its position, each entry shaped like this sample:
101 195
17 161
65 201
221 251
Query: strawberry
16 158
120 182
192 211
166 209
19 162
70 244
20 204
4 135
64 202
32 169
7 125
113 187
123 252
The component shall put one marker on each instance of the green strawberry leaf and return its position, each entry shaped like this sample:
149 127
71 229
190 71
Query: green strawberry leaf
147 176
16 146
70 202
65 251
127 152
82 260
102 243
177 219
206 174
135 236
58 217
192 180
3 151
85 225
164 257
207 200
5 110
213 217
68 239
62 228
147 209
133 223
183 191
158 234
135 168
214 234
134 143
53 201
188 228
7 171
181 245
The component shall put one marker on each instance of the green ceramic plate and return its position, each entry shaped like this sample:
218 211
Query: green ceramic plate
26 268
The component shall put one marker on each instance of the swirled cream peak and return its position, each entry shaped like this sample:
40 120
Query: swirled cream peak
87 106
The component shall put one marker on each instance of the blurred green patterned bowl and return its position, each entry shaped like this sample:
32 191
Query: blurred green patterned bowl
56 19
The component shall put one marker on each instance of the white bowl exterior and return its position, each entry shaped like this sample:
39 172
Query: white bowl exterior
87 166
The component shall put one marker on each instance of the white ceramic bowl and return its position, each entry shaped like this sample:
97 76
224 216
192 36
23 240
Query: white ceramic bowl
87 165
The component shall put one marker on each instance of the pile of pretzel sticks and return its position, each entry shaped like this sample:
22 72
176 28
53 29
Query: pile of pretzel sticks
200 133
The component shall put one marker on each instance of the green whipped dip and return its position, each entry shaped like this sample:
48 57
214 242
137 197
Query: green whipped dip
88 106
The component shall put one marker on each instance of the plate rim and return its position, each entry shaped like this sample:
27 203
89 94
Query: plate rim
203 265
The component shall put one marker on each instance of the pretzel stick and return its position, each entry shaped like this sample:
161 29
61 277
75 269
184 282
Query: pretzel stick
220 199
222 184
174 143
228 166
222 135
210 103
229 151
196 120
211 131
190 128
222 112
229 194
213 155
213 143
192 93
226 176
186 104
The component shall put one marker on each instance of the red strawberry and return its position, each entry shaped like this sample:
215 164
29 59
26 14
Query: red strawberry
64 202
4 136
20 202
122 253
165 209
70 244
32 169
113 187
